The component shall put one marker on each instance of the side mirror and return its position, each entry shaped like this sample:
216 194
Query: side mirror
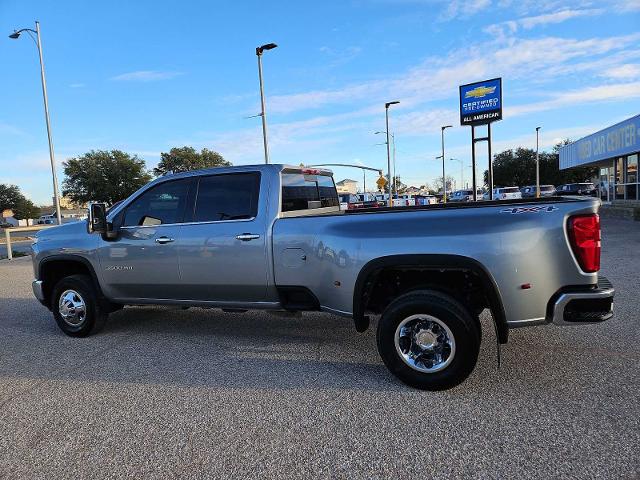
97 218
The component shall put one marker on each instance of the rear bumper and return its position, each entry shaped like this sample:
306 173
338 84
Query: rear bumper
580 307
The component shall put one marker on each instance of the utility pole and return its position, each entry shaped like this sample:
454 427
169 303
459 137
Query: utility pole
538 162
386 116
259 51
444 179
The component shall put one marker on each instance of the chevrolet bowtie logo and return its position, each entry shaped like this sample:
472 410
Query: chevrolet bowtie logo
479 92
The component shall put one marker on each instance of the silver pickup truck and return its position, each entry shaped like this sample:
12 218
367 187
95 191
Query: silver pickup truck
273 237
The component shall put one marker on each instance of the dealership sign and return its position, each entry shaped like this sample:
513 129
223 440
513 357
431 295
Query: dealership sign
616 141
481 102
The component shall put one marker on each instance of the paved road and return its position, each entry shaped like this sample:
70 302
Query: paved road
164 393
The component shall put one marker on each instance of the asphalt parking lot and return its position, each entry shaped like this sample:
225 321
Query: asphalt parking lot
164 393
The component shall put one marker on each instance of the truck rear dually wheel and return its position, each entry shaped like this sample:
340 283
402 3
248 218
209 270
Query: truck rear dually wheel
75 306
429 340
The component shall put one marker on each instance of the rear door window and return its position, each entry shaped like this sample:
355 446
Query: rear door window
232 196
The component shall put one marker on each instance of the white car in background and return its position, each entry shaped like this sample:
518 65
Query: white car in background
504 193
465 195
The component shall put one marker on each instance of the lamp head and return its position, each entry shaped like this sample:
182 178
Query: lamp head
266 46
14 35
388 104
538 128
445 127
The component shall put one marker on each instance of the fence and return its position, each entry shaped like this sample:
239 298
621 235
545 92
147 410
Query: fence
9 231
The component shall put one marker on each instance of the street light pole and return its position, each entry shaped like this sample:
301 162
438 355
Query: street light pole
386 116
537 163
444 179
461 171
393 156
263 113
56 195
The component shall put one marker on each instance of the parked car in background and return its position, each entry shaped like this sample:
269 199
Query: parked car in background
5 225
504 193
465 195
545 191
585 188
350 201
425 199
369 200
404 200
347 201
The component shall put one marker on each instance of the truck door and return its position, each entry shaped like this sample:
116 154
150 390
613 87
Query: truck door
223 248
143 261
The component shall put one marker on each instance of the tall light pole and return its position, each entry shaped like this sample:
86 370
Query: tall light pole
386 116
538 162
14 35
444 179
461 171
393 158
263 113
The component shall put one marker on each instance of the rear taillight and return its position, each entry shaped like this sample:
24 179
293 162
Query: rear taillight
584 235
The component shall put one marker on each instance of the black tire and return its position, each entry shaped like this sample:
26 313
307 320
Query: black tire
94 317
463 326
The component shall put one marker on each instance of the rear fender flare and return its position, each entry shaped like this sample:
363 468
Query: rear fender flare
431 261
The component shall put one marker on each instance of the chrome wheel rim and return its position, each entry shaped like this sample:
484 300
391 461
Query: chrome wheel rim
425 343
72 308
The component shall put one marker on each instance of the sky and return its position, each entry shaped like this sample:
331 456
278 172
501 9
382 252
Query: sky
146 76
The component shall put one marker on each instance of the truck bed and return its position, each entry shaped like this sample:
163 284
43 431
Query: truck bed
478 204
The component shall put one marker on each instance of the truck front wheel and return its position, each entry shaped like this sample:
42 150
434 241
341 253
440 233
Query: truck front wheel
428 340
76 307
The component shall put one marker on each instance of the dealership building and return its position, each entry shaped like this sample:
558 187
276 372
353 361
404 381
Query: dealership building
615 151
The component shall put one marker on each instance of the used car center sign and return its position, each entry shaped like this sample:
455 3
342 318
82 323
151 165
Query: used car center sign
481 102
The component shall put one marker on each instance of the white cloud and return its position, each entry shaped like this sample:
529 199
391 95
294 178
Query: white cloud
499 30
145 76
437 78
464 8
625 6
626 71
620 91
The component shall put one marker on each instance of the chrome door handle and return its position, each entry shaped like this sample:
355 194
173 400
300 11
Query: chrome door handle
245 237
163 240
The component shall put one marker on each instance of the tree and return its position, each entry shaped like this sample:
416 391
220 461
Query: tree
518 168
103 176
437 183
12 198
185 159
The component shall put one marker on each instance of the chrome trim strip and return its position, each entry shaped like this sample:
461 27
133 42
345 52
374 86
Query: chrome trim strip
36 286
527 322
309 211
131 227
565 298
